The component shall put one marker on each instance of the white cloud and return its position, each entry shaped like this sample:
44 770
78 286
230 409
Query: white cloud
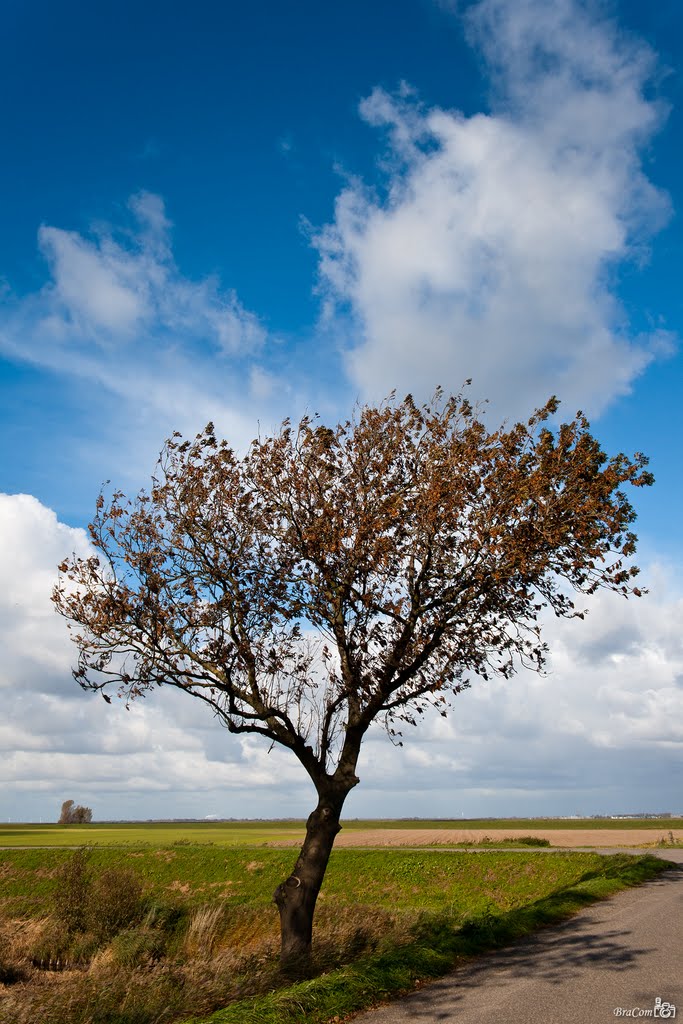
160 758
32 542
154 350
602 732
490 253
110 289
94 286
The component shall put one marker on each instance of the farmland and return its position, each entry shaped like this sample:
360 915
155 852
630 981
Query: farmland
201 931
355 832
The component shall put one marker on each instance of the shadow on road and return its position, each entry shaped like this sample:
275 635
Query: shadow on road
556 955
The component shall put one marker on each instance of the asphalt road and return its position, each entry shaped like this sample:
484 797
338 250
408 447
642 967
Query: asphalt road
624 952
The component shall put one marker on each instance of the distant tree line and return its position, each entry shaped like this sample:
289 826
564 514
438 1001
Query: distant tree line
74 814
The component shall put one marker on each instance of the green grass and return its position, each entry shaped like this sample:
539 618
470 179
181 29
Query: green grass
188 874
439 942
155 834
664 824
413 880
261 833
207 932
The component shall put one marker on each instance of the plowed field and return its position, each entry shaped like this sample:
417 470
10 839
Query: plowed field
568 838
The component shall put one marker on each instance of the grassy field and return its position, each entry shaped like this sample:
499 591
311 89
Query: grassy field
156 834
259 833
155 928
520 823
244 877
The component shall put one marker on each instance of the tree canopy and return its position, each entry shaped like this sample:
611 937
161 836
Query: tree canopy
331 577
74 814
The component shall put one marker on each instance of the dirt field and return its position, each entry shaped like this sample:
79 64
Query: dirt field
556 836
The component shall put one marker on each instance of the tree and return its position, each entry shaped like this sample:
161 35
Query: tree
332 577
74 814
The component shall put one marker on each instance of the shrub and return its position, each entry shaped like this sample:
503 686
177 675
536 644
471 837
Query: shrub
114 902
101 905
70 901
532 841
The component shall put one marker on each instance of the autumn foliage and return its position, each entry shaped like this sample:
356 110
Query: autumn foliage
331 577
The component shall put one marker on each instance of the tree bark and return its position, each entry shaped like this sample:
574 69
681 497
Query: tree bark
296 896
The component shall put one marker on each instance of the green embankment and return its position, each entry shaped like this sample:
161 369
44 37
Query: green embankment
439 942
412 881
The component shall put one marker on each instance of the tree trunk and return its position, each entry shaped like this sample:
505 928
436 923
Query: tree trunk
296 896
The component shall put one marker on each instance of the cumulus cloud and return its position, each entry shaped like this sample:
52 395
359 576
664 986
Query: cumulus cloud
32 542
155 350
601 732
112 289
491 251
163 757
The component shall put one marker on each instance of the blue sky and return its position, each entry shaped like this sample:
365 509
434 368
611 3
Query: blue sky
214 211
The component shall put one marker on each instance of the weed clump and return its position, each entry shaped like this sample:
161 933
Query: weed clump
10 972
70 900
204 930
114 901
137 947
88 910
669 841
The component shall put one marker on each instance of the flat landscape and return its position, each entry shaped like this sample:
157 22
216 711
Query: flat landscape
163 922
560 832
569 838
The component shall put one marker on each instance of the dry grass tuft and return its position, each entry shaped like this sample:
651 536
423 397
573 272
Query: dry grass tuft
206 924
343 933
